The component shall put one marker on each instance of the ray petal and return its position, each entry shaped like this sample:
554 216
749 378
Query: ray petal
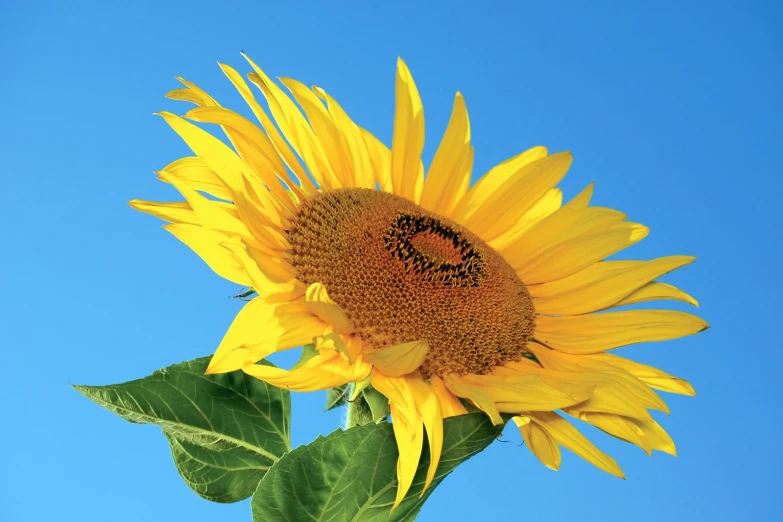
321 372
601 285
596 333
407 424
174 212
207 244
539 442
569 437
261 329
449 173
408 140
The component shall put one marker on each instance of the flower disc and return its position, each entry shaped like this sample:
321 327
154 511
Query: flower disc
404 274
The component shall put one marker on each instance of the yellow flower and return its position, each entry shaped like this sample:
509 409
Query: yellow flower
432 289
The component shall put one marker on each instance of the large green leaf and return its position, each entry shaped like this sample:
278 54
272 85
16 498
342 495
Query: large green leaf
225 431
350 475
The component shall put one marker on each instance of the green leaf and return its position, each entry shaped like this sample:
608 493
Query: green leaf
358 412
225 430
336 396
220 475
379 403
350 475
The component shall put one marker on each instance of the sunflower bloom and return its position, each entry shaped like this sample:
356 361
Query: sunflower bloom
435 292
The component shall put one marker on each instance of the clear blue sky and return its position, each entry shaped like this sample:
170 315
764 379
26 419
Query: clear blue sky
675 111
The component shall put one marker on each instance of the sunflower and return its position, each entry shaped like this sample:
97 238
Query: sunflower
435 293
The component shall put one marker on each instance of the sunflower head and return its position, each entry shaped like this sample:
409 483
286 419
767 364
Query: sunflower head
402 274
434 292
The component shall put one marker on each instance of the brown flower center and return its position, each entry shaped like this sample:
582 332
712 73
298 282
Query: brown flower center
403 274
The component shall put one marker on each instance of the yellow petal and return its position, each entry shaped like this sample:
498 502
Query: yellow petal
380 156
398 359
428 405
601 285
320 304
408 139
524 189
176 212
652 376
656 291
494 181
563 224
195 94
395 389
618 426
331 144
569 257
596 333
264 224
578 390
569 437
449 174
185 94
206 244
293 125
275 263
597 372
540 442
320 372
476 394
217 155
544 207
657 437
574 218
611 397
350 348
450 404
407 424
261 329
570 239
282 148
523 392
271 289
254 148
196 174
648 435
354 141
409 434
211 214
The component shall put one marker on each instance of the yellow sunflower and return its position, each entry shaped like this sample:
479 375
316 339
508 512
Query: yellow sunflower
428 289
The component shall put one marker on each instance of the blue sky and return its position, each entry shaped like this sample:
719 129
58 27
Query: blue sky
673 109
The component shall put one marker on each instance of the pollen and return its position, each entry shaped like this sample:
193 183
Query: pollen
402 273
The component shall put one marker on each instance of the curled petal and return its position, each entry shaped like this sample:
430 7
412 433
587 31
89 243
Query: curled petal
321 372
319 302
398 359
261 329
476 394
